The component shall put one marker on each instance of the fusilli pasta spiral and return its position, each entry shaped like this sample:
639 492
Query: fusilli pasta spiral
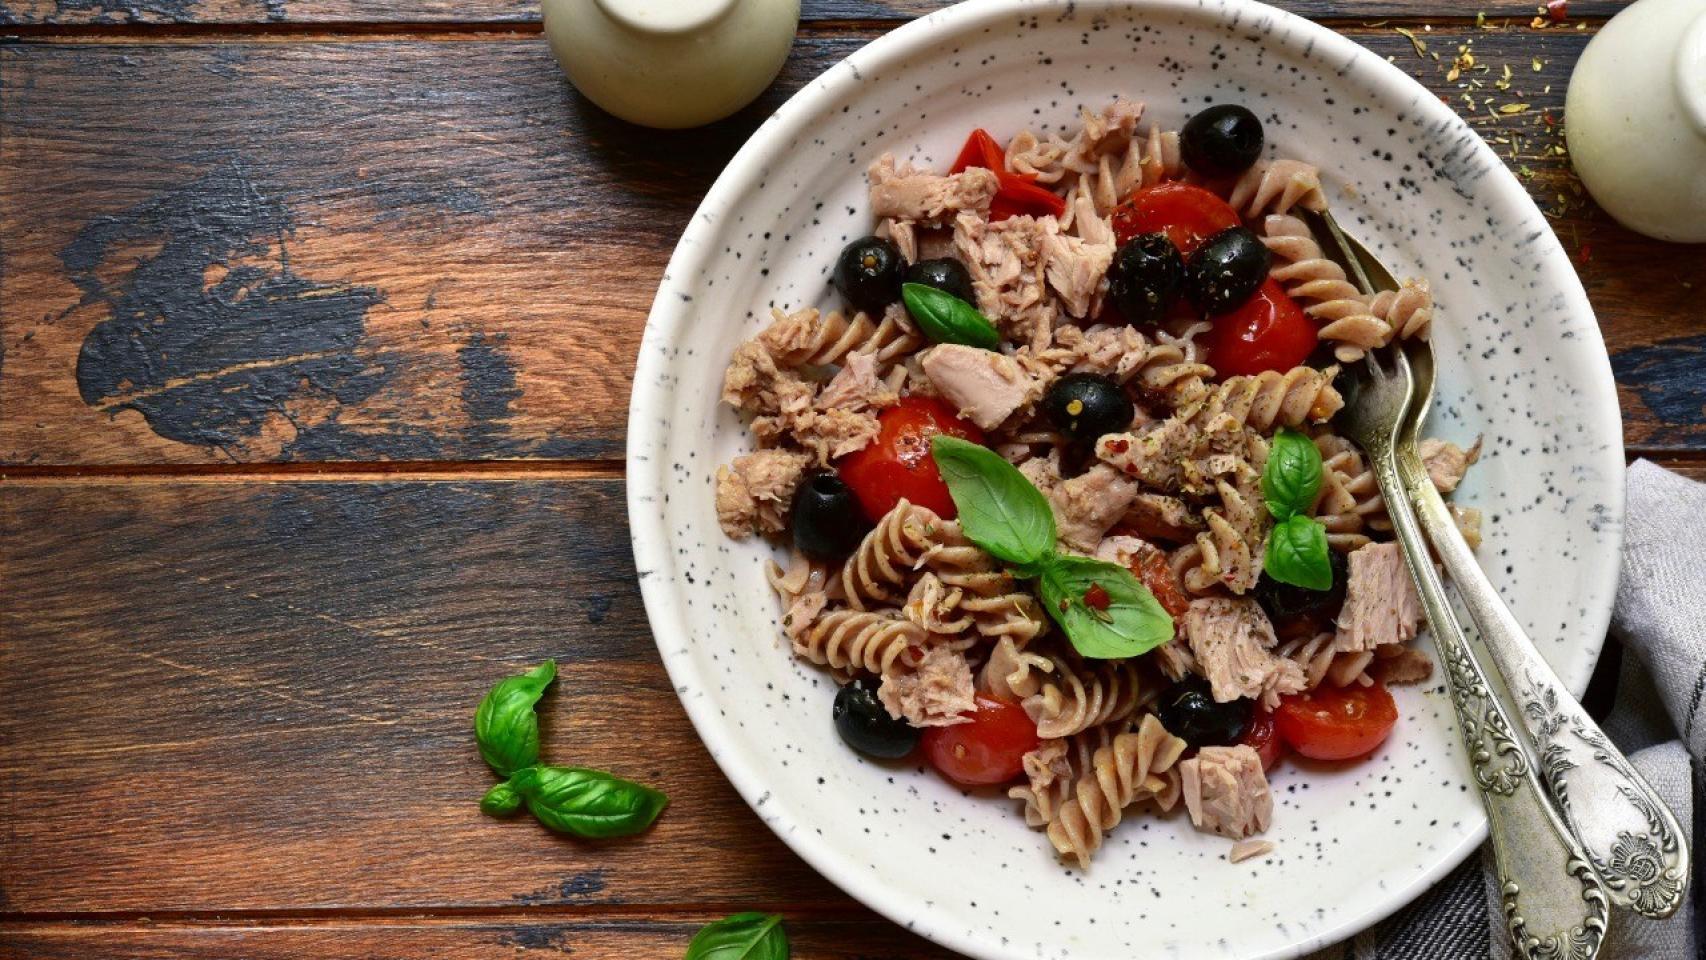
1270 399
1276 186
1134 766
810 337
876 572
874 641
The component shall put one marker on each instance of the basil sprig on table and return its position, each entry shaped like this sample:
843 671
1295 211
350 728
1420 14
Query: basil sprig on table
506 725
1105 611
945 318
1297 547
743 936
572 800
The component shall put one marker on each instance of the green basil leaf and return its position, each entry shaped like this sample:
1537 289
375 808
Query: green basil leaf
1292 476
946 318
587 803
505 724
500 801
999 509
744 936
1133 622
1297 554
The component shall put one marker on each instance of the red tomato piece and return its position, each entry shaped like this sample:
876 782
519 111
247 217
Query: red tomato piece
1151 569
1187 214
989 749
898 462
1269 332
980 150
1262 736
1029 198
1337 723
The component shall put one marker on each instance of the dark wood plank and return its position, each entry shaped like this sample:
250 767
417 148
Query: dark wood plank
76 12
464 269
460 939
229 696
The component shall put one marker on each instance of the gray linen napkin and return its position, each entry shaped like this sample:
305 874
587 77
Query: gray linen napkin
1660 620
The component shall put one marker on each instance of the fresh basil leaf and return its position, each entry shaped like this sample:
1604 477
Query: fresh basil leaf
945 318
1297 554
1292 476
743 936
999 509
500 801
1133 621
506 726
587 803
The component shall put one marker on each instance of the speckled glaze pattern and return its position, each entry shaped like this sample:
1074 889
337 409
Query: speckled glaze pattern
1521 361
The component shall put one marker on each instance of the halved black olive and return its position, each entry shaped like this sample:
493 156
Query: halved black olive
1226 269
865 725
1145 278
1221 140
868 274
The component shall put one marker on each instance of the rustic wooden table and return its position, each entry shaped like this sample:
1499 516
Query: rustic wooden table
317 320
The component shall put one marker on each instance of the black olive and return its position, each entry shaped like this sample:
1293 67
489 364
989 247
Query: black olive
1145 277
1087 405
865 725
868 273
1284 601
826 517
945 274
1222 140
1226 269
1189 711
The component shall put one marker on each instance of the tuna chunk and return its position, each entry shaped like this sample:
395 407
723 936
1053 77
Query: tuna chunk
856 386
935 694
1087 505
1381 605
986 386
1006 263
1226 791
1447 462
755 491
903 193
1075 269
1232 641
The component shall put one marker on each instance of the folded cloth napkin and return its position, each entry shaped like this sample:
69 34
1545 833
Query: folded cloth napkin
1660 620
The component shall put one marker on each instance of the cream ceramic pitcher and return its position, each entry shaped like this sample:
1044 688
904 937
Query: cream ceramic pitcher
671 63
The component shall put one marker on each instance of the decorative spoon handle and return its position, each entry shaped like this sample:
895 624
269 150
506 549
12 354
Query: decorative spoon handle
1558 911
1629 835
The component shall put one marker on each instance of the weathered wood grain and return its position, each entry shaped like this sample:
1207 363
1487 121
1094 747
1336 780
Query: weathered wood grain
454 940
221 697
463 269
74 12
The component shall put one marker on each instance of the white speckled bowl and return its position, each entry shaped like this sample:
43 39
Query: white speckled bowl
1521 361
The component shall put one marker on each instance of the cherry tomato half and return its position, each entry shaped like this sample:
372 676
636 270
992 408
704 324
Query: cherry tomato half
1269 332
1337 723
898 463
1262 736
989 749
1187 214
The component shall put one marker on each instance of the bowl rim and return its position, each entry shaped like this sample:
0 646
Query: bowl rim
665 323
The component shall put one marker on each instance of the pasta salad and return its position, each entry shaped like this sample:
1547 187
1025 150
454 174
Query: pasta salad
1066 509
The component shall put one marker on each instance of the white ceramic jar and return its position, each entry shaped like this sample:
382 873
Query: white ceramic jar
671 63
1635 118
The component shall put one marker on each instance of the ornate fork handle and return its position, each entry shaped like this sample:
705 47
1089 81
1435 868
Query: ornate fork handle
1559 910
1629 835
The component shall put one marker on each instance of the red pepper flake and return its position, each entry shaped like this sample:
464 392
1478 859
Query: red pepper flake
1096 598
1586 253
1557 10
1548 119
1119 446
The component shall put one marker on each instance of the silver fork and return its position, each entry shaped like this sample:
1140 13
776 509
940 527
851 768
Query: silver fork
1554 905
1631 839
